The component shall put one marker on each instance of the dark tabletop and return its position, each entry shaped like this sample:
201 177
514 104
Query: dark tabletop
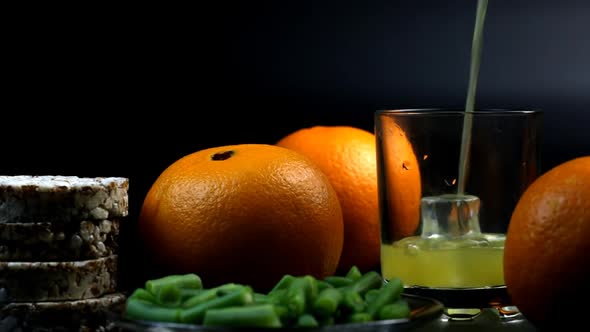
488 320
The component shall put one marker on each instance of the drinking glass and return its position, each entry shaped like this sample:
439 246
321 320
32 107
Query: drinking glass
443 233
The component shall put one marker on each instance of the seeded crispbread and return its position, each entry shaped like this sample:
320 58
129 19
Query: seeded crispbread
81 315
58 241
27 198
56 281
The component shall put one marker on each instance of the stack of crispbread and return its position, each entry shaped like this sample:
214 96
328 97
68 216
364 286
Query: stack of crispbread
58 251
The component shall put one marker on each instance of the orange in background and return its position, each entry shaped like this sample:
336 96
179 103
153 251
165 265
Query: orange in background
347 155
402 180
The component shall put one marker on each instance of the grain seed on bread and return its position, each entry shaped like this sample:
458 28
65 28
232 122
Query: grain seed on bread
80 315
57 281
58 241
27 198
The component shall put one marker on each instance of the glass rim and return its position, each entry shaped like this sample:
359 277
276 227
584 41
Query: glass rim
459 111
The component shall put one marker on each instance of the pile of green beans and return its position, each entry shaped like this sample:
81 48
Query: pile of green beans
295 301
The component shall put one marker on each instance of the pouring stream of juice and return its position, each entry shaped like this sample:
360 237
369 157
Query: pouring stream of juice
446 258
476 48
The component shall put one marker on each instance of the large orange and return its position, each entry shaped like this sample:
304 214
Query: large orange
347 156
244 213
547 251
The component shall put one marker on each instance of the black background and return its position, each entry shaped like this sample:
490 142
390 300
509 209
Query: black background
127 91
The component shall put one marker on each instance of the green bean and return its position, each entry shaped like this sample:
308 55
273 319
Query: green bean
301 294
307 320
236 298
278 296
227 288
327 302
142 310
390 292
395 310
323 285
283 312
187 293
142 294
359 317
352 301
202 297
260 298
263 315
190 280
285 282
169 295
338 281
371 294
211 293
369 280
296 297
311 289
294 301
354 273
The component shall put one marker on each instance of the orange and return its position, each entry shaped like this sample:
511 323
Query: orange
245 213
403 180
547 251
347 155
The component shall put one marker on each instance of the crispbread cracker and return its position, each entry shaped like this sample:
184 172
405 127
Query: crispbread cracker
25 198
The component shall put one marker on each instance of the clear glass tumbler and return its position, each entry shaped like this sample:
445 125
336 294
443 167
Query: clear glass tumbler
442 233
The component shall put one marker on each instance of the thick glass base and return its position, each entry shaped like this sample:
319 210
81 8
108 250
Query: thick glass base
468 303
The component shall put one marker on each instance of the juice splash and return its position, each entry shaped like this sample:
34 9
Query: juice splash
460 263
451 251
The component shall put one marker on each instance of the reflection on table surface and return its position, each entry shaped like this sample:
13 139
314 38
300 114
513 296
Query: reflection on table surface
488 320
